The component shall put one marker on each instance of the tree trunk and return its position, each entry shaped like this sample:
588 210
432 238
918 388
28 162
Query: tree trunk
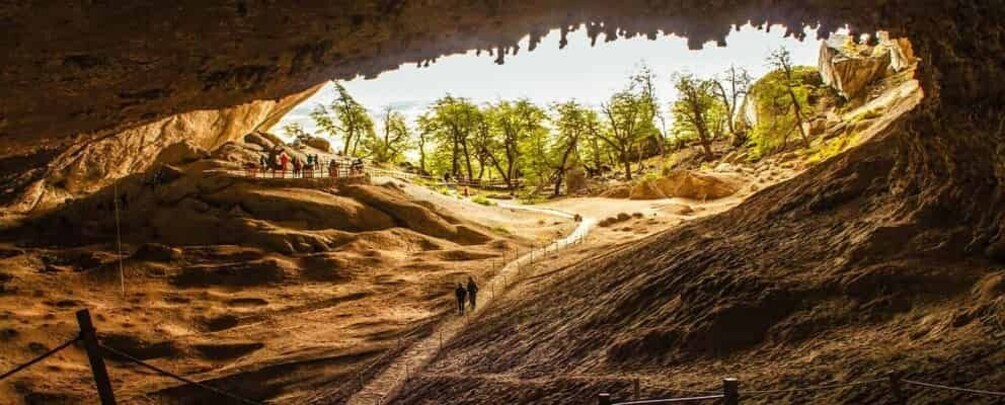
628 165
455 166
467 159
559 175
799 117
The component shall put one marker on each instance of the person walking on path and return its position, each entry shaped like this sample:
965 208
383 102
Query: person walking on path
283 160
472 292
461 295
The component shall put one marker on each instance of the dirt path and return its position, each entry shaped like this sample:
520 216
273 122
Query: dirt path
383 387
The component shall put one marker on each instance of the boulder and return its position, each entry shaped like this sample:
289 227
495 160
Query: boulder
318 143
618 191
699 186
575 181
687 184
259 139
850 68
647 190
181 153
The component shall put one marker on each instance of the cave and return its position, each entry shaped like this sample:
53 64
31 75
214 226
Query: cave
911 220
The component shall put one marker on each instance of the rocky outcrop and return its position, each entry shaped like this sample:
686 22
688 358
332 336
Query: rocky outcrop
850 67
686 184
95 162
319 143
767 100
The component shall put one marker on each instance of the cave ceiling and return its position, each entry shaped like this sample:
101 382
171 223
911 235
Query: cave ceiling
74 67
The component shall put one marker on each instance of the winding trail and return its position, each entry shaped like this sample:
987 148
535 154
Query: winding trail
381 388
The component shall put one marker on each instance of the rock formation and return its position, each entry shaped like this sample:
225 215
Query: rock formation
850 67
902 235
686 184
94 161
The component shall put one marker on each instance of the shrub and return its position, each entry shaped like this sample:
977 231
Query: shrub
481 199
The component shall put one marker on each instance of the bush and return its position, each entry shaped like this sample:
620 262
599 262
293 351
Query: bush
481 199
776 121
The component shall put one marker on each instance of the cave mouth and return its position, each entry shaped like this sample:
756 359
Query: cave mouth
914 161
563 66
844 87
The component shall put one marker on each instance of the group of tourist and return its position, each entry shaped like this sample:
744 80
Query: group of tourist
279 161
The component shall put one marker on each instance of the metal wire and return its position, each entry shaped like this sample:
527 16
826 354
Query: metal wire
671 400
179 378
958 389
817 388
45 355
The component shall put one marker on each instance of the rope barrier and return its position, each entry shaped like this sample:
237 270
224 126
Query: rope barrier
45 355
368 368
671 400
178 377
817 388
958 389
690 392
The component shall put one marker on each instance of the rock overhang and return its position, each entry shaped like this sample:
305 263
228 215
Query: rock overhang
76 67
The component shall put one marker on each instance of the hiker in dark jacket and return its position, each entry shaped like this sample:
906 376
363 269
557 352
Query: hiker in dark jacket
461 295
472 292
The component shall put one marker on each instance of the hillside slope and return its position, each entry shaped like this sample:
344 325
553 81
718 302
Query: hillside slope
856 268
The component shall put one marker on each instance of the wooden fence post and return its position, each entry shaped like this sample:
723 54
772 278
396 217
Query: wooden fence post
604 399
730 391
90 337
896 386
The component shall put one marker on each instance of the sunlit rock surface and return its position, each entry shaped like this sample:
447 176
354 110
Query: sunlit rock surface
851 67
95 162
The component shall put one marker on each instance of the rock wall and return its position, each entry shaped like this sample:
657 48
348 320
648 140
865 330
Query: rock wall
94 161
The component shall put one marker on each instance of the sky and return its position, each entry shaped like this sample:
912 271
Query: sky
549 74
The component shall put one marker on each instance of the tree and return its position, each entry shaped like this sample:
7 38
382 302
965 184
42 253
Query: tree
645 81
698 112
572 122
453 120
426 126
732 87
628 120
781 60
296 131
512 124
394 139
344 117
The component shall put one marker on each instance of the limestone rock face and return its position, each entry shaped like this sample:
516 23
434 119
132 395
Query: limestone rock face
850 67
92 163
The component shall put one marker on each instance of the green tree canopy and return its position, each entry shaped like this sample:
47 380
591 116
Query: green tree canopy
394 139
344 118
699 114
